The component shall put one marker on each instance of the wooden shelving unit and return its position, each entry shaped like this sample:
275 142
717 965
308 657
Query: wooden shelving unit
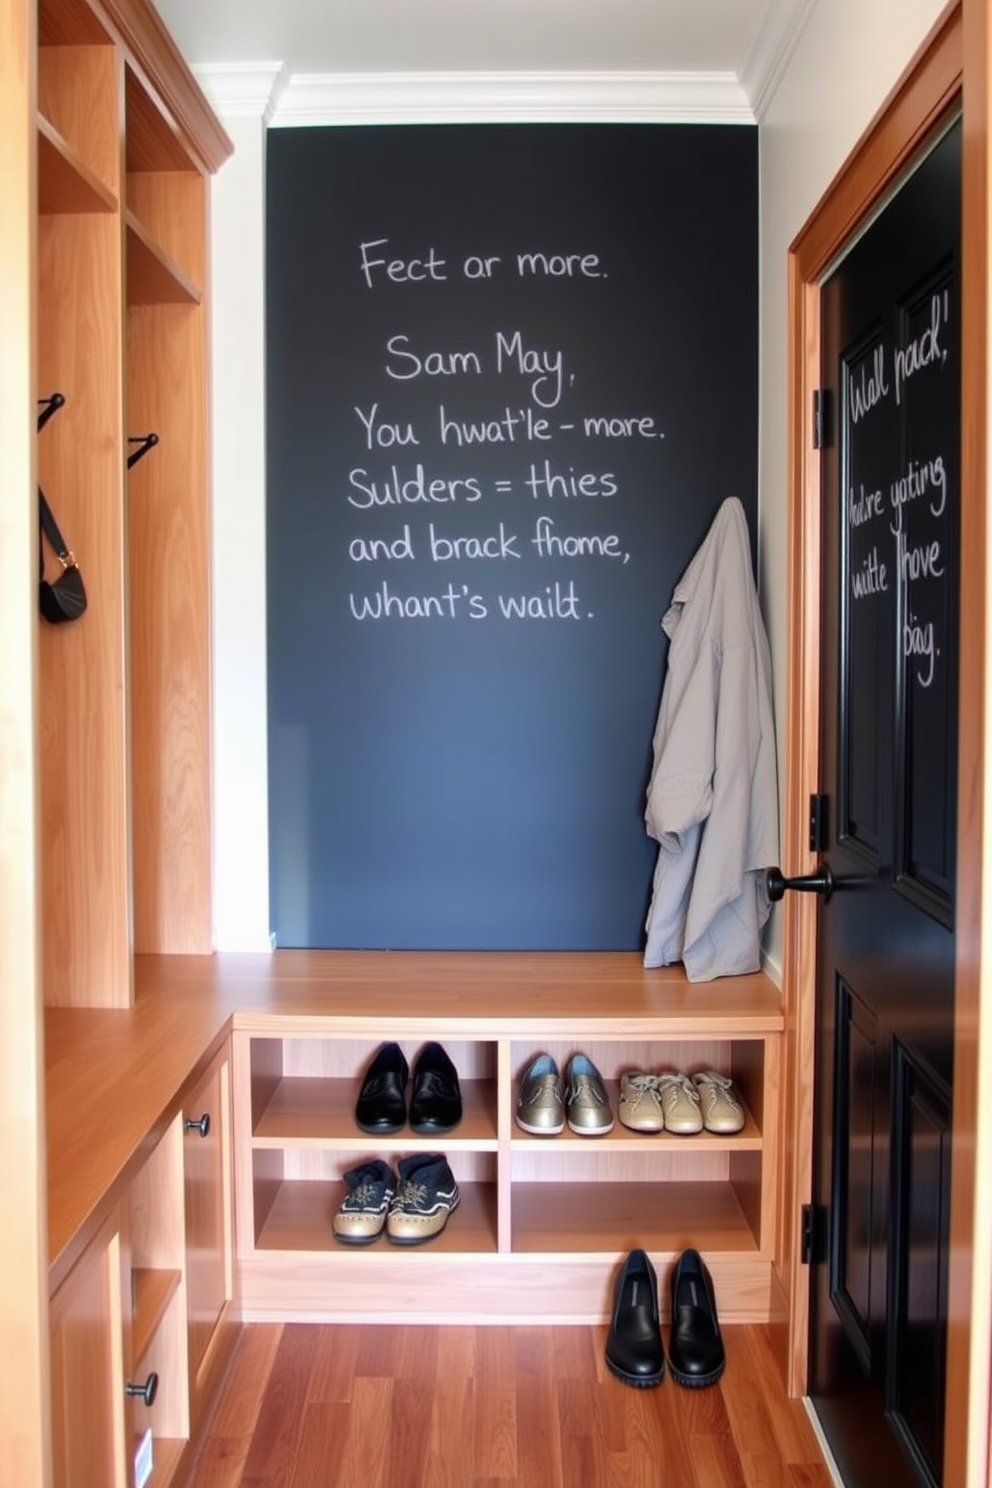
125 145
573 1202
124 695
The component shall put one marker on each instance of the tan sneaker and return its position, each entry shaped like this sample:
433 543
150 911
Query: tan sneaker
680 1103
721 1105
640 1102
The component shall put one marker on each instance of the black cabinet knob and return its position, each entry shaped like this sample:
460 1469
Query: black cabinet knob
202 1126
145 1392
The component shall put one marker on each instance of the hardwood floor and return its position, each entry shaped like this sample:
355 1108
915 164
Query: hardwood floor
351 1406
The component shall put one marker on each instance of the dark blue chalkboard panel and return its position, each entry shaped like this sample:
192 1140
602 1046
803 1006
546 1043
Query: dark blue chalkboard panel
512 374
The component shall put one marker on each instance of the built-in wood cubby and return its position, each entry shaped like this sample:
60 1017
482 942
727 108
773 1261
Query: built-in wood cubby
126 145
543 1218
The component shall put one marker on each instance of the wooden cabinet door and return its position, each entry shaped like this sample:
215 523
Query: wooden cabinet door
207 1170
87 1373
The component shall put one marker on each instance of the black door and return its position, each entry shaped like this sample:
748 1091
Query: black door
891 318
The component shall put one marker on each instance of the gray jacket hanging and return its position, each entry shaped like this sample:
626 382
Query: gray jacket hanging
712 800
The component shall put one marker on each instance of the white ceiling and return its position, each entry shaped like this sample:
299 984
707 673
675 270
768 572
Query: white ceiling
731 49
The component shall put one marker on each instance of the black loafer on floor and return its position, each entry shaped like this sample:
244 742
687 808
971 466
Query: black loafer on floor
695 1347
634 1351
381 1104
435 1097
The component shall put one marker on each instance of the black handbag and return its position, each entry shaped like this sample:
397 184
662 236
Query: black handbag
64 598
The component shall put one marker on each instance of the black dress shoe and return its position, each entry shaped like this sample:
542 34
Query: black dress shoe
435 1099
633 1346
381 1104
695 1348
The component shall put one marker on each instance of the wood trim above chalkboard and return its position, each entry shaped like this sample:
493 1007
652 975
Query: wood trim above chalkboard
928 93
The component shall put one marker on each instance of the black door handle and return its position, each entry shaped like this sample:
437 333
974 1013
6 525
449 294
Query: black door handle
820 882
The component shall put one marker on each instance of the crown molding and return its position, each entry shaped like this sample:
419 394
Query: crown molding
267 91
776 39
241 90
152 49
503 97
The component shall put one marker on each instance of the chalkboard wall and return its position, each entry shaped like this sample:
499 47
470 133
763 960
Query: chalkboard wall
511 376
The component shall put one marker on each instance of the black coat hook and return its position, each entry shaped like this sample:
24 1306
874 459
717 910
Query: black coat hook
146 441
49 406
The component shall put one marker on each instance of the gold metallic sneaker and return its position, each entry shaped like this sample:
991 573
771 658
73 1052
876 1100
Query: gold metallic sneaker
680 1103
426 1194
720 1103
540 1107
640 1102
363 1212
587 1106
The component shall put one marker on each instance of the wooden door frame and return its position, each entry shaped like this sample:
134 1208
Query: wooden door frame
952 67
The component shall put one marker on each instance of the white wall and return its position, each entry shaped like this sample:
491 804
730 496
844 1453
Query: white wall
846 60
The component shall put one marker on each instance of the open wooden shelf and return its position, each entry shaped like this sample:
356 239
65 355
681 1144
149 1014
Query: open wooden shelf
153 1291
300 1216
566 1218
152 277
321 1112
65 181
152 140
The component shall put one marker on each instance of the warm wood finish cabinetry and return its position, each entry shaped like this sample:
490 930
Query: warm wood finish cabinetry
107 148
156 1271
542 1222
87 1321
125 147
140 1330
208 1206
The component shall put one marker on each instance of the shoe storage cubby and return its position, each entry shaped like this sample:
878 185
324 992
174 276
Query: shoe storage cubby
303 1137
543 1220
592 1191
